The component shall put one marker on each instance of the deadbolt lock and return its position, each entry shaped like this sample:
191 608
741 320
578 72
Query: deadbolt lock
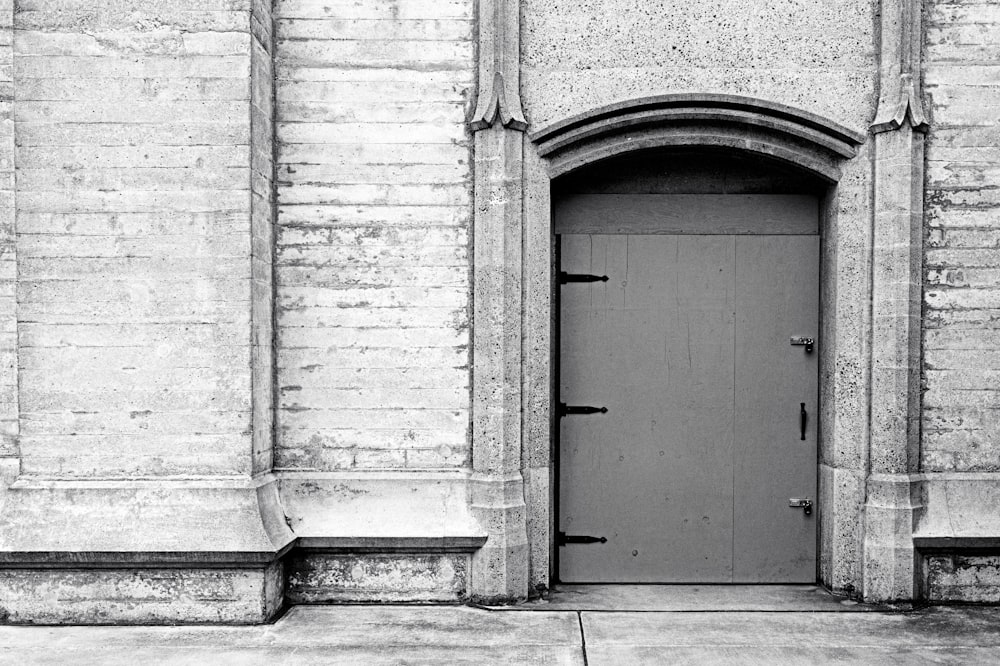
803 503
802 341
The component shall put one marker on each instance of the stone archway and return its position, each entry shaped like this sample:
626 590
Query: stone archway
868 467
720 122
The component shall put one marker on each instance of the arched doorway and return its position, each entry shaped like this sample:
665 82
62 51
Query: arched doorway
817 152
687 384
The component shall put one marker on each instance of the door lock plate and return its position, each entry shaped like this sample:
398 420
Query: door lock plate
802 341
803 503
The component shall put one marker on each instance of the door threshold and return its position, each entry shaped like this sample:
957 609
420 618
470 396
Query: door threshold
694 598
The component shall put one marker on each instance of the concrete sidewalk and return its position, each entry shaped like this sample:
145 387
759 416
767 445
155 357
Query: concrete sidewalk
462 635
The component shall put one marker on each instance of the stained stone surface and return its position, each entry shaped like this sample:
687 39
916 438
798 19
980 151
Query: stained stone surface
578 55
961 419
372 241
964 578
385 578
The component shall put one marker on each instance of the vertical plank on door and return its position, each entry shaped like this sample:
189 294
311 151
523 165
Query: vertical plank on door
655 344
777 296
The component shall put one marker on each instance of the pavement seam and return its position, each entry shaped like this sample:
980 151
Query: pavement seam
583 638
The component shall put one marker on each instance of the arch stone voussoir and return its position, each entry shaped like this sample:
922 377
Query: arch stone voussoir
775 130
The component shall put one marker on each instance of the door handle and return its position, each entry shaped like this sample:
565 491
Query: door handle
803 416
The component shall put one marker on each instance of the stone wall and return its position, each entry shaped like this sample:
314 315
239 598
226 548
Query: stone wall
583 54
963 578
141 596
132 210
144 231
225 207
8 251
262 213
373 259
961 409
377 578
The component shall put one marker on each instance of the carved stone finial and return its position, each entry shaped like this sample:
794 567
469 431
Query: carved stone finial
907 107
493 104
499 95
900 98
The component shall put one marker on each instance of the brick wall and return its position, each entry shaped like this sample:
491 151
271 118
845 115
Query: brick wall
961 426
133 252
374 203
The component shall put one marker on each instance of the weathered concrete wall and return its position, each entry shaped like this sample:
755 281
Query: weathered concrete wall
373 262
262 214
141 596
961 409
8 262
386 578
963 578
582 54
144 230
133 252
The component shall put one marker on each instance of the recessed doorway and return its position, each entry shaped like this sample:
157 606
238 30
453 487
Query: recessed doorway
688 307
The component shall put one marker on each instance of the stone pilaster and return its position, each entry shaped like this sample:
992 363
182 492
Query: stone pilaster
500 568
8 257
890 569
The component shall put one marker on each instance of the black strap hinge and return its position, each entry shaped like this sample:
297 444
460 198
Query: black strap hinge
565 410
562 539
565 278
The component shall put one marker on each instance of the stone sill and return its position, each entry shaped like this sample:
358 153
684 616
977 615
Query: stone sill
446 544
122 559
248 559
954 543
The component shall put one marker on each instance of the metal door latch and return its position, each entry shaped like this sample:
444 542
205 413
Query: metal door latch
562 539
565 409
802 341
803 503
565 278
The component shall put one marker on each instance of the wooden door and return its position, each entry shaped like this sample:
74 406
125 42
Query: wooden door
689 473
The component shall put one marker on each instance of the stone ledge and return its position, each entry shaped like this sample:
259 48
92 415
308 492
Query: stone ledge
936 544
366 506
444 544
122 559
236 559
951 510
169 521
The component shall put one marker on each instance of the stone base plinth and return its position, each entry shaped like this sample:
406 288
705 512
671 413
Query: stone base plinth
377 577
174 595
